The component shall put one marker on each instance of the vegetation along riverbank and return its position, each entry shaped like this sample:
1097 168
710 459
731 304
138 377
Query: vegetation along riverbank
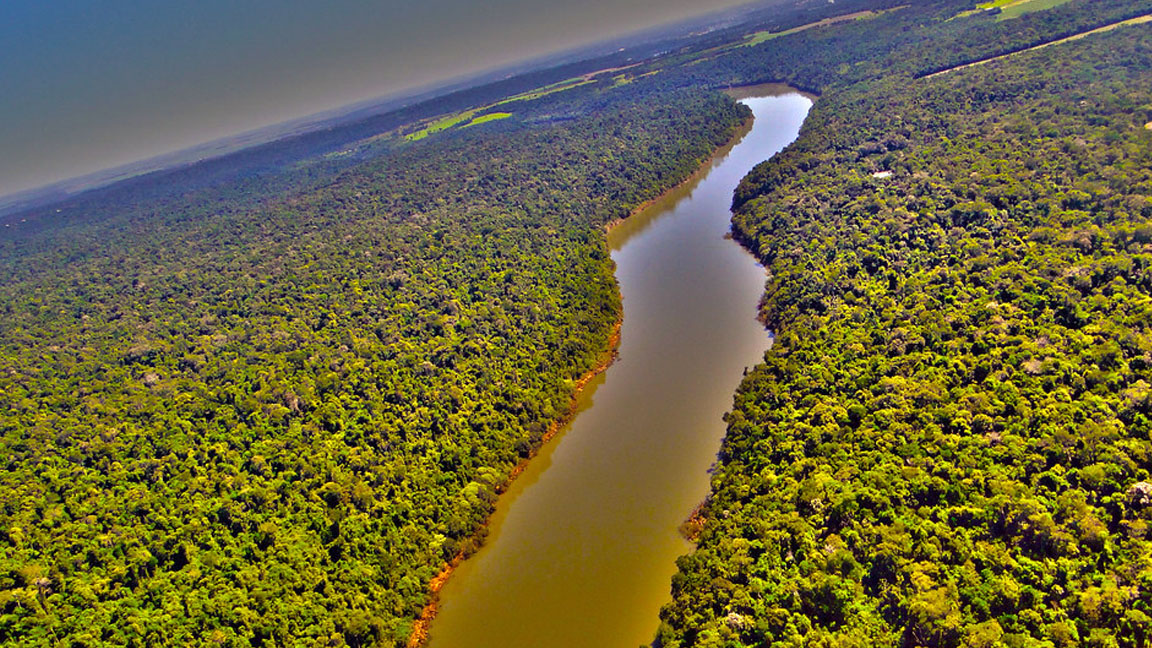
419 634
276 421
263 399
949 442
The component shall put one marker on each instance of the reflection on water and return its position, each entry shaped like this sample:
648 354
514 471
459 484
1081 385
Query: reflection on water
582 547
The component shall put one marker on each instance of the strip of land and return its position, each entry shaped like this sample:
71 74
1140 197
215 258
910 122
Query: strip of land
760 37
1099 30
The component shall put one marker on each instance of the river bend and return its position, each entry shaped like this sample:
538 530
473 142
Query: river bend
583 545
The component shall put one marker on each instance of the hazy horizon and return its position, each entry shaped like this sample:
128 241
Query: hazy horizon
92 88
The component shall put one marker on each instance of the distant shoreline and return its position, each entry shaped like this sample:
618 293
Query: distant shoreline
768 89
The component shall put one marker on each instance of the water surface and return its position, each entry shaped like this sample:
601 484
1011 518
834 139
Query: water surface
583 546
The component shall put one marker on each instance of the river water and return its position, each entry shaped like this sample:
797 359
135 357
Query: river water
583 545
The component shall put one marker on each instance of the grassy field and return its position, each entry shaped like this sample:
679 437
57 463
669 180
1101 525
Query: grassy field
444 123
469 116
544 91
1017 9
487 118
1012 8
760 37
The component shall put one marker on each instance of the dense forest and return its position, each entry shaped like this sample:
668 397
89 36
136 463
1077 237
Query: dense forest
949 443
272 425
262 400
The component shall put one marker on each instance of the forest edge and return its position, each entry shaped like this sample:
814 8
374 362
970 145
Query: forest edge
421 628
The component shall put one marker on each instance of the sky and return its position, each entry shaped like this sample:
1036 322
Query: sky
86 86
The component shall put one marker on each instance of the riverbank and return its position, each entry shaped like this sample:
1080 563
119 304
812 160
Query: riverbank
583 546
420 632
419 635
769 89
694 523
682 188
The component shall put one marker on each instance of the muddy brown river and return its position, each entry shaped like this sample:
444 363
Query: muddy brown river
583 545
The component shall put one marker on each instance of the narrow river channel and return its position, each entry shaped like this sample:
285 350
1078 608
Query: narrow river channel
582 548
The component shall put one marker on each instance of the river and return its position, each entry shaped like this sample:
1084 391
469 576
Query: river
582 547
